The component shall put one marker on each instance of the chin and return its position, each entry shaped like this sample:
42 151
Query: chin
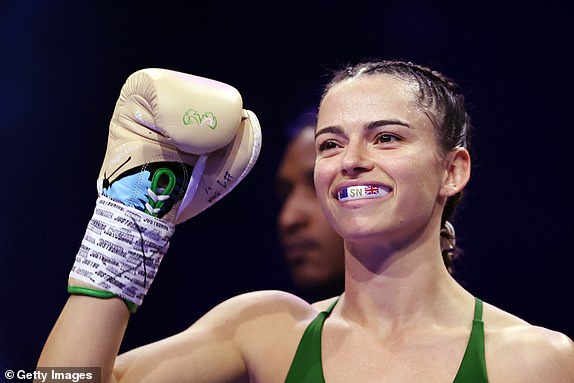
360 230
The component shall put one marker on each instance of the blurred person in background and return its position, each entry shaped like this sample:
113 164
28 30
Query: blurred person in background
313 251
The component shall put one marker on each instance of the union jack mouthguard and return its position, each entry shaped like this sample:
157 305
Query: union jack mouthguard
359 192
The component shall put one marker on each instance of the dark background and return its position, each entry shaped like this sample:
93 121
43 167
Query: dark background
62 65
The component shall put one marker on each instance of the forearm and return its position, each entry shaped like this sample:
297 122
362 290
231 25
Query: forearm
88 333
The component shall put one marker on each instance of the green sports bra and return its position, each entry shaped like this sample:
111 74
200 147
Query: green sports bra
306 366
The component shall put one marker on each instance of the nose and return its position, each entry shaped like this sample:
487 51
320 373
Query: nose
355 159
293 215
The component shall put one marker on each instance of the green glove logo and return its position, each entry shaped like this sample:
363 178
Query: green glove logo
207 118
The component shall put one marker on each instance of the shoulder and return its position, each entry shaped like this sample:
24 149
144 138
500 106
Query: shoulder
265 327
324 304
519 351
258 315
273 302
258 305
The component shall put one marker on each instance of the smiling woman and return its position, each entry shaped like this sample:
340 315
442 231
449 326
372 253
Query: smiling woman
394 135
411 111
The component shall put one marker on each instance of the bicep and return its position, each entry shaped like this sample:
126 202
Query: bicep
206 352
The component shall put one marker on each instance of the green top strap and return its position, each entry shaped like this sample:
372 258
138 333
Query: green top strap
473 366
306 366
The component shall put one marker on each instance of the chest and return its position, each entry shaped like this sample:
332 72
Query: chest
358 356
343 354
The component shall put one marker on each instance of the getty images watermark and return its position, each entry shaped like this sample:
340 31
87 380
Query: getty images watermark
54 375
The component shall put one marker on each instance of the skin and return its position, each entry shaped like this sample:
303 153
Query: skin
402 317
313 250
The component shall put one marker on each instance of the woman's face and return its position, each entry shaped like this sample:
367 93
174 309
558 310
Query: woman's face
379 173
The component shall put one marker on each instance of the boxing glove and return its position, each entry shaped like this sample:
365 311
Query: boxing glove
177 143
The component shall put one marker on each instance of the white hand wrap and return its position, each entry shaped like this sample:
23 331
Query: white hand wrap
121 250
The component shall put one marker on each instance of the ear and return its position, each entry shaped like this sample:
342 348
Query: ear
457 172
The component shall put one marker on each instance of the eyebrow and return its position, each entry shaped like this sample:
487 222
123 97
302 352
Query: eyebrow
337 129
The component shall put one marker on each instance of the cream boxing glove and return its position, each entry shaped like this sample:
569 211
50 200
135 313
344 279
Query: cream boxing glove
177 144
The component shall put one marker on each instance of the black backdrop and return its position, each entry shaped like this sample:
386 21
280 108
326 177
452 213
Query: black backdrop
63 63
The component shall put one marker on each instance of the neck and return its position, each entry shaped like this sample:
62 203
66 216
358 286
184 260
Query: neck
401 284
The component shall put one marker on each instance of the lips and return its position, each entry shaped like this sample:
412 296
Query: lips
356 192
297 247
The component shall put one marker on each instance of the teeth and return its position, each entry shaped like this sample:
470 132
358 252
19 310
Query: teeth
360 192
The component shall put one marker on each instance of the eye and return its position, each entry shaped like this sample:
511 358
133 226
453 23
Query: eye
385 138
326 145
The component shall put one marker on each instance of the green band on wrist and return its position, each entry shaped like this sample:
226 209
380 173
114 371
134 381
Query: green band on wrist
131 306
79 290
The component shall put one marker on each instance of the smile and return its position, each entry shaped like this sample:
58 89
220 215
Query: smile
361 192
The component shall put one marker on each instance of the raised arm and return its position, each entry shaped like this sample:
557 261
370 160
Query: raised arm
88 333
177 143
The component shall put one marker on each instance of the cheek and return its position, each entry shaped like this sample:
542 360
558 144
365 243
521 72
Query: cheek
420 176
322 179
